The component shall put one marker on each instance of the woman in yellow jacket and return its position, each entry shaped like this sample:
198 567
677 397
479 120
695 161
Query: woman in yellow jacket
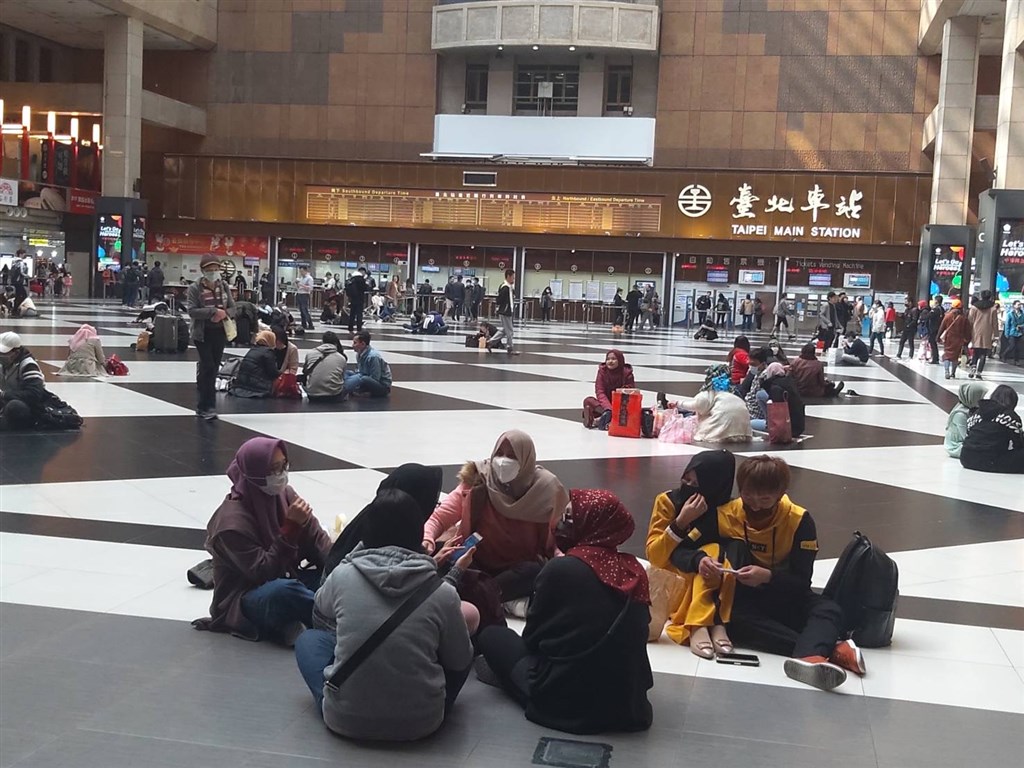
695 607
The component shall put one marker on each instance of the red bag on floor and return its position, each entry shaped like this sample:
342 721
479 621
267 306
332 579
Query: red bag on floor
780 429
115 367
627 405
287 385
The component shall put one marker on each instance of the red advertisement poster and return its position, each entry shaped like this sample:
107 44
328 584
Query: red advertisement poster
216 245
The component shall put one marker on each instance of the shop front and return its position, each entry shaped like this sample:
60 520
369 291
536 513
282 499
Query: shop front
583 233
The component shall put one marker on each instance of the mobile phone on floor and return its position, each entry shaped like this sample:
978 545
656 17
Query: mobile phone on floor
738 659
468 544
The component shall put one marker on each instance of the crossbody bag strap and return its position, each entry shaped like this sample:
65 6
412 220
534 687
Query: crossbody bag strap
363 652
316 363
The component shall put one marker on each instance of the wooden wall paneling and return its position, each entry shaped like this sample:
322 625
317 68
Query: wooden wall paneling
187 194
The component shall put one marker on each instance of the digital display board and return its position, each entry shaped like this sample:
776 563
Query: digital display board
718 274
856 280
519 211
752 276
947 270
819 279
1010 259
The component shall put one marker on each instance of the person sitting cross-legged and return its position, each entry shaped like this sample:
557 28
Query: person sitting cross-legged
767 604
374 376
324 369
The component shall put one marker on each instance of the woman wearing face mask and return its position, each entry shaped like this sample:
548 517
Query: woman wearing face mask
209 304
581 664
612 374
258 537
694 610
513 504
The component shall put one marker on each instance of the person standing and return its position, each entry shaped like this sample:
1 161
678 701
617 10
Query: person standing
355 289
209 304
936 315
266 289
633 299
911 316
955 333
506 302
1013 330
984 319
878 328
459 293
721 310
843 312
747 313
827 320
130 286
303 290
546 303
703 306
5 275
758 312
890 320
781 317
156 282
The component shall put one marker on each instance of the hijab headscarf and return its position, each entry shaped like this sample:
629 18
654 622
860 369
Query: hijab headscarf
422 484
715 472
394 520
534 495
717 378
616 377
971 393
774 369
599 524
247 472
82 335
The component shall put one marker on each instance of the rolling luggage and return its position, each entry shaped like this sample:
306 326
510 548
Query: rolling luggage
165 333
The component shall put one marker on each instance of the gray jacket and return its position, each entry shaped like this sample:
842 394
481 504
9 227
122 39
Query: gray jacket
201 315
827 316
398 692
328 378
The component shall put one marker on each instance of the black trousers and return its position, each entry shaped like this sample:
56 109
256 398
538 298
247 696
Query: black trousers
15 414
355 315
978 358
631 316
518 580
211 350
507 656
778 621
933 339
701 316
908 335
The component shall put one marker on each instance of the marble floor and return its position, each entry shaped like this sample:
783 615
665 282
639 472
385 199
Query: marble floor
99 666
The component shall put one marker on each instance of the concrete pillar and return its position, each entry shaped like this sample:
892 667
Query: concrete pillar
1009 159
958 89
122 106
501 85
591 93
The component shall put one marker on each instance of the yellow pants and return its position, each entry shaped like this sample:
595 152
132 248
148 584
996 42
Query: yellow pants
689 601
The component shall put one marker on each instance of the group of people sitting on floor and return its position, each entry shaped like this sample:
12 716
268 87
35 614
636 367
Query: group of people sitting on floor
984 429
732 402
271 367
388 620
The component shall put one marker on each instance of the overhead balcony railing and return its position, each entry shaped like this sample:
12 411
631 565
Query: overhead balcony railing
535 24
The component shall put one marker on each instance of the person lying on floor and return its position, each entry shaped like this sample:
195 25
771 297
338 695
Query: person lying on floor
995 438
513 503
768 604
257 538
614 373
692 614
968 397
405 687
581 664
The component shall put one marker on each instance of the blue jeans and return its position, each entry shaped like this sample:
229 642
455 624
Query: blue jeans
314 652
302 299
271 607
761 425
356 382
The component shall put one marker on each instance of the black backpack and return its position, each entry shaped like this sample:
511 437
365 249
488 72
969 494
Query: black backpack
865 583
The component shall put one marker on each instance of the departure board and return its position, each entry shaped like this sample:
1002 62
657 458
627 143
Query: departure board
520 211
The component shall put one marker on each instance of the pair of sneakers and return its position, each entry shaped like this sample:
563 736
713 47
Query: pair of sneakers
827 674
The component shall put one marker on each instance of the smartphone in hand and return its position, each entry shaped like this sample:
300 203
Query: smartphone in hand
468 544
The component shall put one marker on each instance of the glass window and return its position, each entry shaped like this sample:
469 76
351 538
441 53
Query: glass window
45 65
618 88
21 61
533 80
476 87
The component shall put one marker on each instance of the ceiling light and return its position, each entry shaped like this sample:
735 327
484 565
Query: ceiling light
536 47
26 116
95 133
572 47
501 47
51 123
74 128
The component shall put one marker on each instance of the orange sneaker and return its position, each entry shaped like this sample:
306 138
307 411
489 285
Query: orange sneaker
815 671
847 655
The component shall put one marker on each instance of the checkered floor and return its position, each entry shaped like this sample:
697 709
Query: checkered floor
99 665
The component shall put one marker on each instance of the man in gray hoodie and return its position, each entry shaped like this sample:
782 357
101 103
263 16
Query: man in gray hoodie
404 689
324 369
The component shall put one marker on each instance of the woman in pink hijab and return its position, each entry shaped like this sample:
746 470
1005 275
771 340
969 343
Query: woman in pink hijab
86 357
258 536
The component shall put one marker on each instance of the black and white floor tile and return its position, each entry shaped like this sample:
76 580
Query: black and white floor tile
98 664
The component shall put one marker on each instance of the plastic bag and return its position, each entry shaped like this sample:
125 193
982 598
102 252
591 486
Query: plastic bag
678 429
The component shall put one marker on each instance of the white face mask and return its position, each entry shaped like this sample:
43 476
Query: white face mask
505 469
275 484
211 276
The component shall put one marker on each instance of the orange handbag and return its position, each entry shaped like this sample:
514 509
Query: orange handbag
627 405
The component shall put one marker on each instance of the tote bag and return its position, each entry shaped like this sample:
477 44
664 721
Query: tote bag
780 429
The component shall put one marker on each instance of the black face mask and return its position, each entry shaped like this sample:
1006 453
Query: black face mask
564 538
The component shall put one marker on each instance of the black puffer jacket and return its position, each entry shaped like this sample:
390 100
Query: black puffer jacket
256 374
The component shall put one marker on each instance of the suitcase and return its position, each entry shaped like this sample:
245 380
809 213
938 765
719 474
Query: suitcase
183 334
165 333
627 408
